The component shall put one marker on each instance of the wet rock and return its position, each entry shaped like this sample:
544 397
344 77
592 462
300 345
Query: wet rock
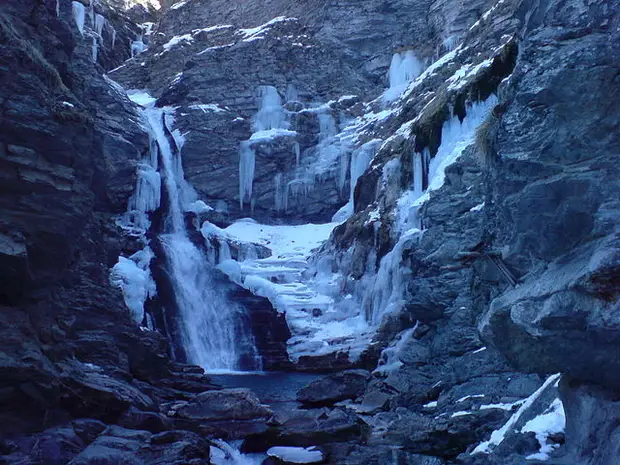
334 388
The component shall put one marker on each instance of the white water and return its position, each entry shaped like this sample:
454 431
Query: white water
211 329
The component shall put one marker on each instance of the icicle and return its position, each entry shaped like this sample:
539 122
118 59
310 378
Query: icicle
297 150
147 197
386 293
247 165
95 49
224 253
57 8
344 169
449 43
99 24
418 173
278 191
91 13
113 36
133 276
79 15
327 126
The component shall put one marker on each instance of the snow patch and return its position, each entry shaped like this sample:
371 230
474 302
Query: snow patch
498 436
553 421
296 454
176 40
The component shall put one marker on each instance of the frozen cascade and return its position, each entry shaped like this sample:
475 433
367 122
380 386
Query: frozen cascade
327 126
99 24
79 15
360 160
384 293
95 49
291 93
269 122
405 67
137 47
418 173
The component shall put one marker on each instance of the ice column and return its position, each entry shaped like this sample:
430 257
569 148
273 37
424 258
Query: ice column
247 165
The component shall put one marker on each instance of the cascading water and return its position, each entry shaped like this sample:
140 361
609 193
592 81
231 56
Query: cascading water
212 329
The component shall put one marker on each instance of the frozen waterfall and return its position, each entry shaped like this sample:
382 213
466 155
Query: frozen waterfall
269 123
405 67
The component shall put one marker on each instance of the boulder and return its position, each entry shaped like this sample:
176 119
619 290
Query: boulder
225 404
349 384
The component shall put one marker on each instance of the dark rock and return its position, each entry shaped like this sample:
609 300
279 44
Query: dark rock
227 404
349 384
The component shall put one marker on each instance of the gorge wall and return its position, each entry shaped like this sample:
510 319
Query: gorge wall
419 197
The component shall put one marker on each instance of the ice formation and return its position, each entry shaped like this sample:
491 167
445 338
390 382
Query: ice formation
405 67
247 166
498 436
299 455
79 15
133 276
269 124
270 114
222 453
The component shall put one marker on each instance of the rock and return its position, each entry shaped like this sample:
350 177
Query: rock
226 404
589 408
349 384
307 428
149 421
100 395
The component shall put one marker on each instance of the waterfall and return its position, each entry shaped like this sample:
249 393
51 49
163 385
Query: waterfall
212 329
